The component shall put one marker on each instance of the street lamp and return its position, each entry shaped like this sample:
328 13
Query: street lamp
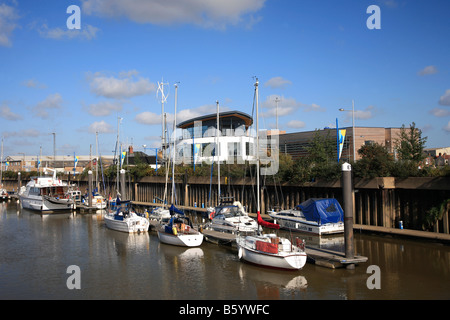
353 127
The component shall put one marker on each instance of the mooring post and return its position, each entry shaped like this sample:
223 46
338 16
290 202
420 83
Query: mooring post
122 185
19 182
90 188
348 212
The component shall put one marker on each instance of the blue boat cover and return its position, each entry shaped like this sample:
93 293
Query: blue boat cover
322 210
174 210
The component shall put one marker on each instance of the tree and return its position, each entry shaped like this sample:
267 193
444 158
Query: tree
410 143
375 161
321 149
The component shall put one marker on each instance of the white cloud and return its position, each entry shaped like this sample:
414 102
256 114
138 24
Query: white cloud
428 70
151 118
286 106
437 112
8 17
6 113
296 124
447 127
100 127
277 82
365 114
205 13
31 83
21 134
125 86
104 108
445 99
53 101
86 32
148 117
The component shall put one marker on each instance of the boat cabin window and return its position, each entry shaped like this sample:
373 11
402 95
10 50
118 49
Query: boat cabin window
231 211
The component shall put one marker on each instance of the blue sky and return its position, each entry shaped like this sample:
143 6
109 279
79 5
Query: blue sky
316 56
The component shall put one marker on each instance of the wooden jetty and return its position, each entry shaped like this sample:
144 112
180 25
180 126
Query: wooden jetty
220 238
331 259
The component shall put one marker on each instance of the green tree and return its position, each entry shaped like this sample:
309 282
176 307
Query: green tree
322 148
410 143
375 161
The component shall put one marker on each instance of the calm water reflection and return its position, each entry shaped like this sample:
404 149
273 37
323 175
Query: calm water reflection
36 250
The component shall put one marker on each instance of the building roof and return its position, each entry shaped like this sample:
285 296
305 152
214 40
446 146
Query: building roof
248 120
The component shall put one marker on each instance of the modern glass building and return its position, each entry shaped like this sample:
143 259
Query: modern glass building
196 139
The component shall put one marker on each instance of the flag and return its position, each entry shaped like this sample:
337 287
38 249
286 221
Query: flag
122 158
342 133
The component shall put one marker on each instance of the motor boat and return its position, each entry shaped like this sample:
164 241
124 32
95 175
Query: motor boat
318 216
231 218
46 194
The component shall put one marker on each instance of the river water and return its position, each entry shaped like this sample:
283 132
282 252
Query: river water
37 250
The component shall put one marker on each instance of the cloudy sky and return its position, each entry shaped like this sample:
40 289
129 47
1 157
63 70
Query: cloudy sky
313 56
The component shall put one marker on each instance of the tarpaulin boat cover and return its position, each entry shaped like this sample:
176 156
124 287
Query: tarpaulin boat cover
174 210
322 210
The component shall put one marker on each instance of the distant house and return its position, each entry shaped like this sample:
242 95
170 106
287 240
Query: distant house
134 158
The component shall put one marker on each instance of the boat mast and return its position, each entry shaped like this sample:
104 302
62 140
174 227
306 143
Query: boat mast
119 160
174 141
217 153
1 163
96 162
257 149
163 100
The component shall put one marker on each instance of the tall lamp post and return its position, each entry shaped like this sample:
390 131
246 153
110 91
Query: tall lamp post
353 127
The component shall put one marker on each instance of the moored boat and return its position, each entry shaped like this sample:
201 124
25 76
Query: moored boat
46 194
269 250
231 219
317 216
179 231
3 194
125 219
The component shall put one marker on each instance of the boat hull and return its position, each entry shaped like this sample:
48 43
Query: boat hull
43 204
290 260
182 240
128 225
300 225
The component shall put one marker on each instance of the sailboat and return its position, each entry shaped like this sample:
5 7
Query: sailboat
179 231
125 219
3 193
269 250
228 217
122 217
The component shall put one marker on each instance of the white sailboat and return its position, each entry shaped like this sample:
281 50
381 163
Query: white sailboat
269 250
179 230
3 193
124 219
228 218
